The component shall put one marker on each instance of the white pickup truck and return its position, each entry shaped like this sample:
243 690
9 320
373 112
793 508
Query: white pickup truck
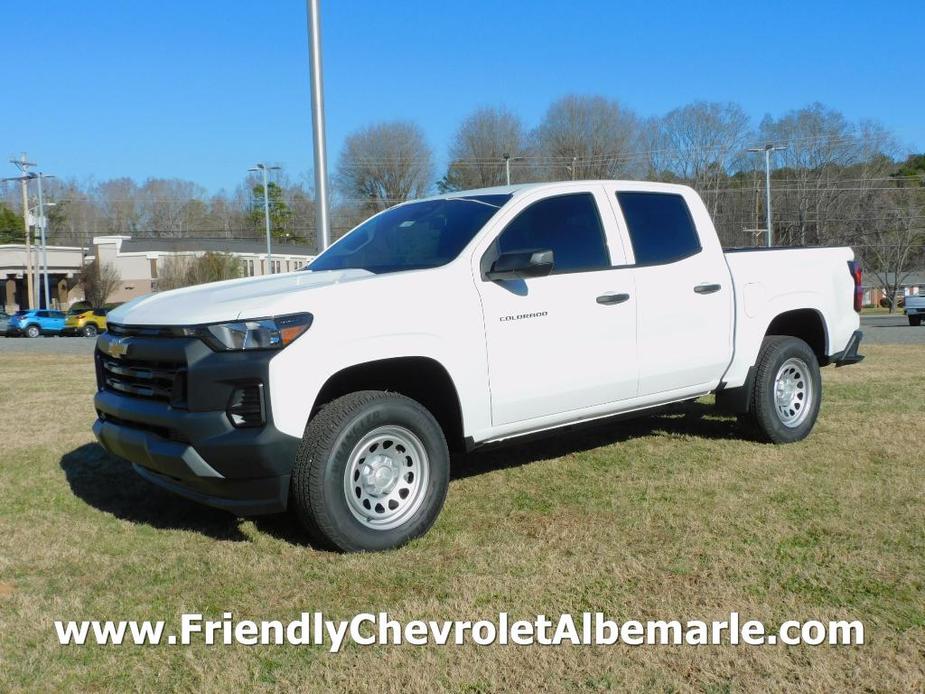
915 308
456 321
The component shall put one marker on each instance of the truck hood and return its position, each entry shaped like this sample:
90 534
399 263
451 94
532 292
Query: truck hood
250 297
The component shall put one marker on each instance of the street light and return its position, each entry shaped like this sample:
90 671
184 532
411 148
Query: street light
322 221
264 169
507 165
767 149
39 177
41 223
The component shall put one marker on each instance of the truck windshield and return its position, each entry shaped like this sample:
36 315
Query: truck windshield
413 236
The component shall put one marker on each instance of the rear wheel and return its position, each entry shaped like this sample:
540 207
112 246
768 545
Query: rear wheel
915 320
372 472
788 390
90 330
33 331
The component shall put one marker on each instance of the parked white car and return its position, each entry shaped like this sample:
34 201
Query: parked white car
457 321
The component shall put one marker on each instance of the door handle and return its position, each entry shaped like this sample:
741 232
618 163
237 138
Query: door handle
707 288
610 299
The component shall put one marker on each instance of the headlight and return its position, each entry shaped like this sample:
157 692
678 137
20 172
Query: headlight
260 333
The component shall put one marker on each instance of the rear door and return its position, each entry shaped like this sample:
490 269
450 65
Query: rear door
685 295
566 341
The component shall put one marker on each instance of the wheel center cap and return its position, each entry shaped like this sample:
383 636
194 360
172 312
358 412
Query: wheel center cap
379 475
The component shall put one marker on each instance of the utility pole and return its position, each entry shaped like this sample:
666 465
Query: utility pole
507 167
767 149
264 169
23 165
322 222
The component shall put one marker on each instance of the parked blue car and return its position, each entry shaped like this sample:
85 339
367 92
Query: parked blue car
36 322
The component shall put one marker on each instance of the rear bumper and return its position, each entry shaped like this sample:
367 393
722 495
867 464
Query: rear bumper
849 355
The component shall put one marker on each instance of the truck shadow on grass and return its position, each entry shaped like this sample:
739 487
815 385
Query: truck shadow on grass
112 486
683 419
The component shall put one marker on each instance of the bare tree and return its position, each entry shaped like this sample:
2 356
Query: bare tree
588 137
171 206
700 144
479 147
98 281
822 147
118 199
177 271
385 164
890 238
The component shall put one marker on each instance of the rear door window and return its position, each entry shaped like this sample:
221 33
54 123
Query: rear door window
660 226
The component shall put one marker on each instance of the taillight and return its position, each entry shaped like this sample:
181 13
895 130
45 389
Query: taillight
854 267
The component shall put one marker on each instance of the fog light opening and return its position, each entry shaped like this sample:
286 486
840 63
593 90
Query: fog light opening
246 407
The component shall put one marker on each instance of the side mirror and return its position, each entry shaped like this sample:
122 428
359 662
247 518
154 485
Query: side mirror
521 265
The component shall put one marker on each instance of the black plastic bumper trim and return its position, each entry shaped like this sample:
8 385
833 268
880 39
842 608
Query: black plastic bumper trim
849 355
240 497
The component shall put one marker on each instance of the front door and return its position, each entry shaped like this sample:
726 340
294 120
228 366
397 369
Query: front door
565 341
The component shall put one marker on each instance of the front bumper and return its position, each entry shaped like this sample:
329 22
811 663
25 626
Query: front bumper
189 445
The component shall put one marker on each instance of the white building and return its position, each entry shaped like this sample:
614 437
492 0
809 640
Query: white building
136 260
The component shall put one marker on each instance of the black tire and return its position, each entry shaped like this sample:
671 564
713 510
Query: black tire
765 418
915 321
33 331
90 330
317 494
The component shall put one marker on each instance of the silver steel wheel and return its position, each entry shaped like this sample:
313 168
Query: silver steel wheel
793 392
386 477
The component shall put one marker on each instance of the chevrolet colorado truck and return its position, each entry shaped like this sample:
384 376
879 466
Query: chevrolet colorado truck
457 321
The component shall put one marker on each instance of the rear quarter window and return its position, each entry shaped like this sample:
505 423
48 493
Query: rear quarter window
660 226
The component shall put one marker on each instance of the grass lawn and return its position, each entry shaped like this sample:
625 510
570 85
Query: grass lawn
668 517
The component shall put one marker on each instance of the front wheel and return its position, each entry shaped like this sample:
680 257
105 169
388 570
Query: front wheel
915 321
33 331
90 330
372 472
788 390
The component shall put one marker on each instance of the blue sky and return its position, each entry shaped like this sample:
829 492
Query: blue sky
204 89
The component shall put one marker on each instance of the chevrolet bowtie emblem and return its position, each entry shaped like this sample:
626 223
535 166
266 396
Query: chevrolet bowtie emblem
118 347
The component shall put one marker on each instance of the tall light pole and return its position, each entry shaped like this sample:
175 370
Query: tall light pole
507 166
264 169
322 223
43 226
767 149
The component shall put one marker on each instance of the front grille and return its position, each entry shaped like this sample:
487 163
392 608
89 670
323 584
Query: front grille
145 330
154 380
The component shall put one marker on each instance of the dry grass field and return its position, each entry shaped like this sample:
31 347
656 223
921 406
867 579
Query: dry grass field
670 516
